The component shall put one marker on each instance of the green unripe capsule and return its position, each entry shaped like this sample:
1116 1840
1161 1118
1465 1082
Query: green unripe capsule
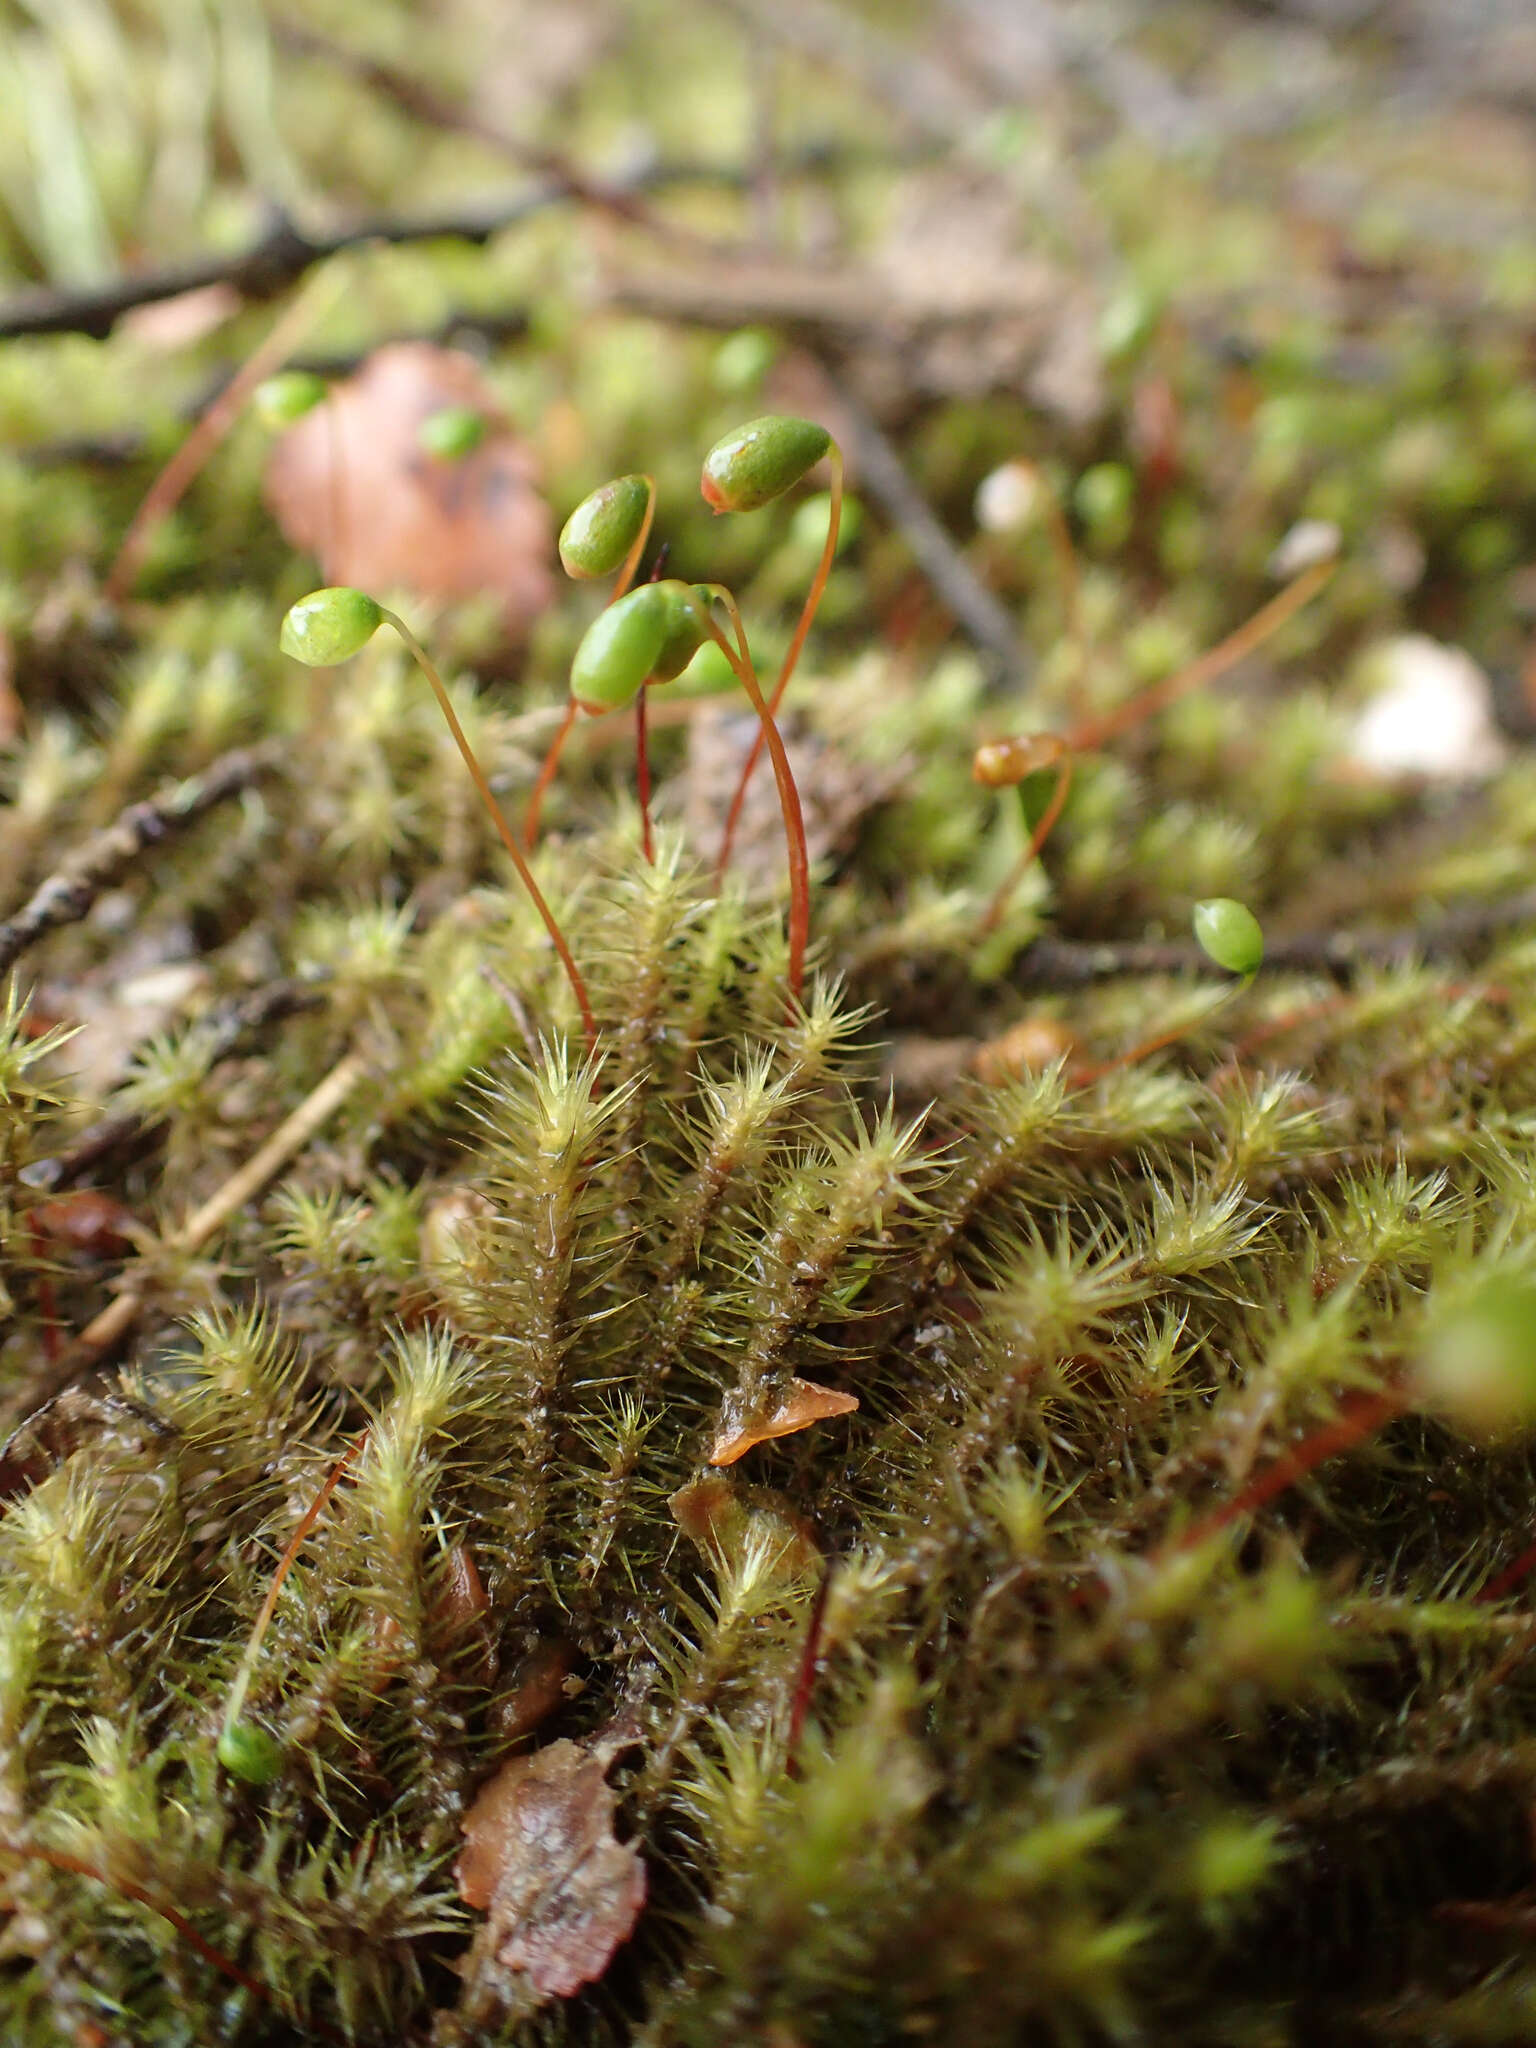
758 462
330 626
623 645
743 359
287 397
1477 1364
249 1753
1105 497
808 528
453 433
685 636
604 527
1228 933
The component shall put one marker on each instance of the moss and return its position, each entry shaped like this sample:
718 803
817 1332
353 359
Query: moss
1135 1648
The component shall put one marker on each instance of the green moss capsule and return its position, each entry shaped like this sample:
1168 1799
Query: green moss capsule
743 359
623 645
1477 1365
1228 933
453 433
249 1753
686 634
604 527
330 626
287 397
757 463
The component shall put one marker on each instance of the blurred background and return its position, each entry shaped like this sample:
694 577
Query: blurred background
1123 312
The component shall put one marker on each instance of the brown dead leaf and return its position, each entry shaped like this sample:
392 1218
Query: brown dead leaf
795 1407
538 1684
540 1856
837 791
723 1517
10 703
1028 1047
351 482
87 1221
169 324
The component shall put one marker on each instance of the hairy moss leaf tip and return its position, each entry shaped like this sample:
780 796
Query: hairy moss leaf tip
751 466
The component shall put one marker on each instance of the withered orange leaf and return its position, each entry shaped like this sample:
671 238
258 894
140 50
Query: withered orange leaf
723 1517
351 481
796 1406
540 1855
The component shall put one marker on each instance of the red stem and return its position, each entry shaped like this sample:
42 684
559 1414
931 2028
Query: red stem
1038 837
47 1301
807 614
35 1852
504 831
1358 1418
805 1681
789 795
643 778
547 774
1092 732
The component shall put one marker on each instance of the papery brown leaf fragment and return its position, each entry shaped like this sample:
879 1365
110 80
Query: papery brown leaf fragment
723 1517
351 481
540 1856
795 1407
87 1221
537 1683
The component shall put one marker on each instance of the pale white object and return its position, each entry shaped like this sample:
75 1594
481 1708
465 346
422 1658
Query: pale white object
1007 498
1431 714
1309 541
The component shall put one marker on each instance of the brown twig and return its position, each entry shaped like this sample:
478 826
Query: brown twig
221 1033
290 1137
882 474
284 253
105 1331
68 894
622 199
178 475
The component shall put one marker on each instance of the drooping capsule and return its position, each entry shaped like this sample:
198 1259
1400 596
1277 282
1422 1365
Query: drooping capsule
330 626
623 646
754 464
604 527
1229 933
685 636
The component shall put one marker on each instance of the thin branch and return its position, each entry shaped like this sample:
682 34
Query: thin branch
289 1139
1076 963
105 1331
881 472
620 198
220 1033
285 252
68 894
178 475
118 450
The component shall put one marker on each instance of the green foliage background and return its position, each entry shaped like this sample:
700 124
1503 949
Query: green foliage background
1090 1757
